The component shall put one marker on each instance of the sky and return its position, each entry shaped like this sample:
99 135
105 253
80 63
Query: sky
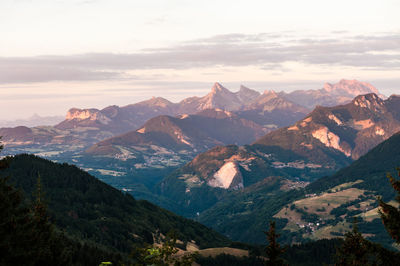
59 54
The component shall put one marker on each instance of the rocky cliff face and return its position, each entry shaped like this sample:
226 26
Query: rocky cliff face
90 114
227 177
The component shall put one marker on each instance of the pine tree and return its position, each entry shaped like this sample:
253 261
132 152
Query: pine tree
16 240
355 248
391 215
273 249
42 231
27 236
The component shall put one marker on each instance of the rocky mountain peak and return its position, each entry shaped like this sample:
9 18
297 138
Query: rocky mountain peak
218 88
350 87
157 101
220 97
244 89
370 101
80 114
245 94
83 114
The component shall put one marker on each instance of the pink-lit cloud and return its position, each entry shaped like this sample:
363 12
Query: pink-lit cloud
263 51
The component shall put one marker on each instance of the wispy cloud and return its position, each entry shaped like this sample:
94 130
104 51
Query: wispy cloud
18 72
266 51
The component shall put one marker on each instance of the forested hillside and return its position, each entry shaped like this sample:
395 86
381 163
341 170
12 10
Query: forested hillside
89 209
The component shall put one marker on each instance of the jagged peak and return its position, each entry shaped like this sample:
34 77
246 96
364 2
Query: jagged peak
217 87
370 100
352 87
245 94
368 97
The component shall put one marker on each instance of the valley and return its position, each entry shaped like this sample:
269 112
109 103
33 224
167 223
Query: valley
199 133
225 163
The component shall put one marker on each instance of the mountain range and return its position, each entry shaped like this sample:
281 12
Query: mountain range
170 141
88 126
331 94
231 160
172 134
121 119
326 140
143 142
133 116
322 210
270 109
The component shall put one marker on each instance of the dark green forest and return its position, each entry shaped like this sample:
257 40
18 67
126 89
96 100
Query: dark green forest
90 215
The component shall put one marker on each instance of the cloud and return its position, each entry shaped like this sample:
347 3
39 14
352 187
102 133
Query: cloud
35 96
14 72
265 50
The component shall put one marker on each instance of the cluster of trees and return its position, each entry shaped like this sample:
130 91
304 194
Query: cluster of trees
356 250
164 254
29 238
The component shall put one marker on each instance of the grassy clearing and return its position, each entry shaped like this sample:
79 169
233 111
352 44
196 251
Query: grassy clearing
325 232
110 172
321 205
370 215
213 252
345 185
328 201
